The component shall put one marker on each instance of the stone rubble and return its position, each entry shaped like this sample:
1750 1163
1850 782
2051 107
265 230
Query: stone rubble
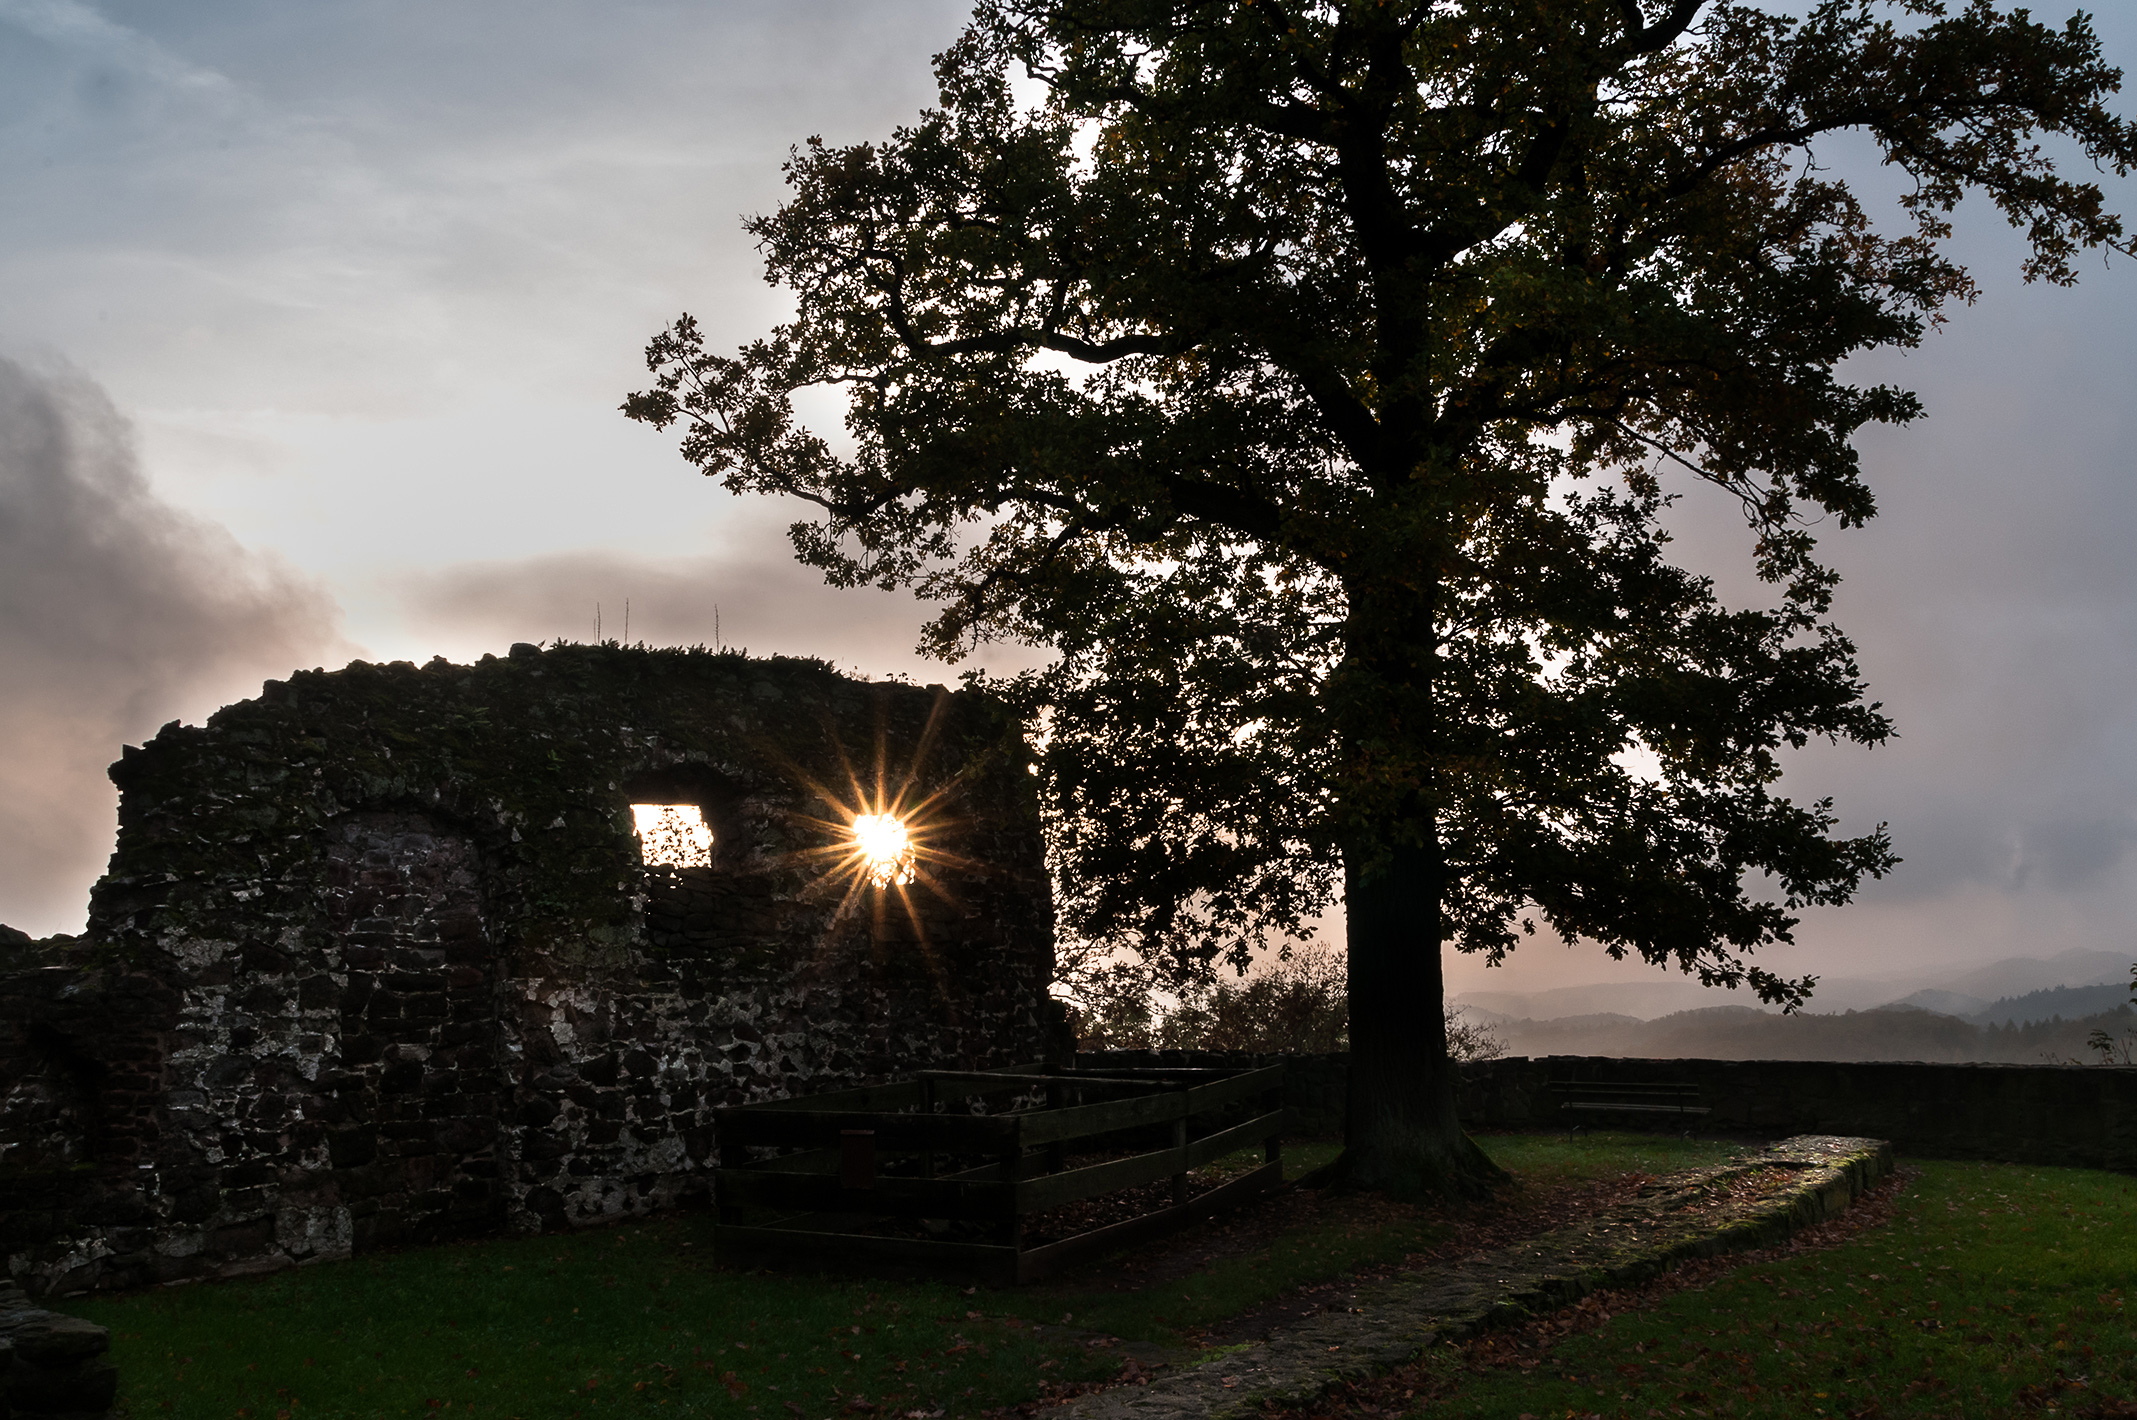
52 1366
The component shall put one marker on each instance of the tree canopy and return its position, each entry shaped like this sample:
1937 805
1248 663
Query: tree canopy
1313 377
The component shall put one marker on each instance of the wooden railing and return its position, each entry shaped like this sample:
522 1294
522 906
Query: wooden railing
912 1176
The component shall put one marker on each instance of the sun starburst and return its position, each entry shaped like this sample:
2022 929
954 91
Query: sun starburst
883 843
885 847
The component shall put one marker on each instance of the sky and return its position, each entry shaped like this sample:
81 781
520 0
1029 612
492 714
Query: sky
314 320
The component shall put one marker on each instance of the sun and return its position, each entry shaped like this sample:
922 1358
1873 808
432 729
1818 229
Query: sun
885 848
883 840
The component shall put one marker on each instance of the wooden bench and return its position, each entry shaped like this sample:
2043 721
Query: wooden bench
1626 1097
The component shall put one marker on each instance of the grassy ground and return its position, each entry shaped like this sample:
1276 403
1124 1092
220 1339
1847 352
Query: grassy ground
1994 1290
636 1316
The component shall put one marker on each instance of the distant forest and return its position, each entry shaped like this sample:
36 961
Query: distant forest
2068 1002
1886 1033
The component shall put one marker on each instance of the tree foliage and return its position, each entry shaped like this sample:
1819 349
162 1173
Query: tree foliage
1313 376
1296 1005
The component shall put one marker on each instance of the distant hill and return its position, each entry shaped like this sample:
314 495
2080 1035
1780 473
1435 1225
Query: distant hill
1636 1000
2069 1002
1953 991
1885 1033
1950 1003
2016 976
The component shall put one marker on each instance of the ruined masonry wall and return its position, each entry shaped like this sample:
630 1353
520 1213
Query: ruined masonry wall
376 961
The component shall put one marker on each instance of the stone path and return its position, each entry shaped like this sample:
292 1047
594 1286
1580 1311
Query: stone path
1755 1201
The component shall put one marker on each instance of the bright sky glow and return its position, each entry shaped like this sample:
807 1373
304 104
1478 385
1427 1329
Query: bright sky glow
885 847
284 268
674 835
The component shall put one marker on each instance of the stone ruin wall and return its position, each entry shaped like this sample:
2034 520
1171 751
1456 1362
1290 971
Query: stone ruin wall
377 961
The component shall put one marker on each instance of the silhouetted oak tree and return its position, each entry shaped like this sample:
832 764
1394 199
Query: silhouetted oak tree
1311 375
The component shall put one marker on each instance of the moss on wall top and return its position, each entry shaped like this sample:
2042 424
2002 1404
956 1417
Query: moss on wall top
222 827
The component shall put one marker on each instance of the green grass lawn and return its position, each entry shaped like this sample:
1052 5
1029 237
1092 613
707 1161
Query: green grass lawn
631 1317
636 1317
1996 1290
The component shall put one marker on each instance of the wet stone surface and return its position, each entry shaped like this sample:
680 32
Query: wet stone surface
1754 1202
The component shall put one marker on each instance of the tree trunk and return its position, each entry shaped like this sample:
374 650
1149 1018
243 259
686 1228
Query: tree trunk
1400 1132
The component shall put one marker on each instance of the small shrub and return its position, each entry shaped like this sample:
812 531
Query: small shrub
1297 1005
2112 1049
1112 1008
1471 1040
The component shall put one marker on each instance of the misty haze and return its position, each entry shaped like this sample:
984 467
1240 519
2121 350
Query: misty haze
2019 1011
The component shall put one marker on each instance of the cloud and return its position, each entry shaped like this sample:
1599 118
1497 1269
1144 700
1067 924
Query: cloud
81 29
1994 600
387 207
117 612
1996 606
2073 853
758 599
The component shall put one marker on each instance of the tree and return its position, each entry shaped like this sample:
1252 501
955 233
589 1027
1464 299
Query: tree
1312 376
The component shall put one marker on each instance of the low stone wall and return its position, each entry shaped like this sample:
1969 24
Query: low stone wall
2083 1116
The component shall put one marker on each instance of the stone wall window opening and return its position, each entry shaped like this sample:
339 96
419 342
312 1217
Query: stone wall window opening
885 849
673 835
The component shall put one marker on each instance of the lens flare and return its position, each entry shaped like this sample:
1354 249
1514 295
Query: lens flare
885 848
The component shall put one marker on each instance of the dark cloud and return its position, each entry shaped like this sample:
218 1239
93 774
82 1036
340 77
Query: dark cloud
117 612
